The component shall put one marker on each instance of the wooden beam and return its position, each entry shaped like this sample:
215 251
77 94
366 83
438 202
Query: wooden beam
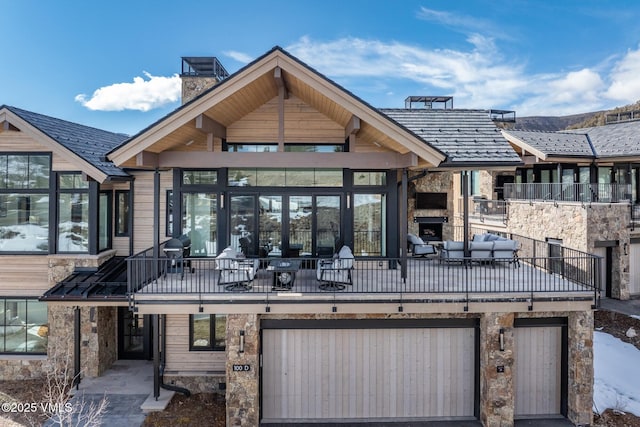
279 78
203 159
352 127
208 125
147 160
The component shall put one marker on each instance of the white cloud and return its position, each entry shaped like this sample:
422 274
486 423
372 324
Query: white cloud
625 79
141 94
465 24
239 56
478 77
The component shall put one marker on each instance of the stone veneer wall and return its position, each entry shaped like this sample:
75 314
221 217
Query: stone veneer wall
202 383
98 340
433 182
580 227
193 86
497 400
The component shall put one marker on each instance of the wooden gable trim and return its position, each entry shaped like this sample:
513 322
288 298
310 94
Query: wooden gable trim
275 60
54 146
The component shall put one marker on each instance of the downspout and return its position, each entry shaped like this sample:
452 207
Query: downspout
76 347
186 392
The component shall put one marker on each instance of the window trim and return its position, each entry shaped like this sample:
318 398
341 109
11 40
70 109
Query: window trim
212 335
109 224
92 234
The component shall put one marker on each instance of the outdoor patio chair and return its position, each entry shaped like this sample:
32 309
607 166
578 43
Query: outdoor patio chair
334 274
235 271
419 247
452 252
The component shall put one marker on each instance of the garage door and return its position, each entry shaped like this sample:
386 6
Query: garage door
540 367
382 372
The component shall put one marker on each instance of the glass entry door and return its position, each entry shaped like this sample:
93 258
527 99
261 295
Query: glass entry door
134 335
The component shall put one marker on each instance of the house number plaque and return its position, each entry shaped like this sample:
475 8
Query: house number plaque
241 368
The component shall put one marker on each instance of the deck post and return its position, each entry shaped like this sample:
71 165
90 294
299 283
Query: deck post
76 347
156 354
403 224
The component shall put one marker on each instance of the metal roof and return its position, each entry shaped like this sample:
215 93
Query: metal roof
612 140
89 143
108 282
466 136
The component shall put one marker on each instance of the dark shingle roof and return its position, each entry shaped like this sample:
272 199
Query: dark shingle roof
465 136
612 140
556 143
89 143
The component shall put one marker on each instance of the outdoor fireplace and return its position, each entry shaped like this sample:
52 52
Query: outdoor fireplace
430 227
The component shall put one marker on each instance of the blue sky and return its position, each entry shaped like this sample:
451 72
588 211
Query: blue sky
114 65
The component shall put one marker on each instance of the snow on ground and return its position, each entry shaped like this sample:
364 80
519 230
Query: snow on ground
616 367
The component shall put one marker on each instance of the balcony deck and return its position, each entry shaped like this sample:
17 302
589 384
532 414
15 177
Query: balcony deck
373 281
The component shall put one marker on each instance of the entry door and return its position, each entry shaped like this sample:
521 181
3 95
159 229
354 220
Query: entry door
134 335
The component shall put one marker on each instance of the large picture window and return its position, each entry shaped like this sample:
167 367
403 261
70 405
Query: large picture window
24 202
207 332
23 326
73 214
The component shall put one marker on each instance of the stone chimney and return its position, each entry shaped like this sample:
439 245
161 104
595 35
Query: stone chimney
200 73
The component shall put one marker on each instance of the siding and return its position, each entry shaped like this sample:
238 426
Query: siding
23 275
180 359
302 123
143 208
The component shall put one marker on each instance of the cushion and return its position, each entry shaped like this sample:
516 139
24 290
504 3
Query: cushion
491 238
450 245
414 240
345 252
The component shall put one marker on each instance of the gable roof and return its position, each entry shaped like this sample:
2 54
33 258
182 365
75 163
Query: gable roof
612 141
257 78
467 137
84 145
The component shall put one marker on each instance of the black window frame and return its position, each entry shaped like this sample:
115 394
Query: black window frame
3 302
212 335
92 243
109 224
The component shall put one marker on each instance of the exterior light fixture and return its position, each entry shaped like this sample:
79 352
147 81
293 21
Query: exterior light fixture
241 346
501 339
625 248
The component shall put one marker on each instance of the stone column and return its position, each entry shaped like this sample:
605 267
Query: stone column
580 387
496 375
243 399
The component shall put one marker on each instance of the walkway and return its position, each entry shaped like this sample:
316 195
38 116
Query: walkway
126 385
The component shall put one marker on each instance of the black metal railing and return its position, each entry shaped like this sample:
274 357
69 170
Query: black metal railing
545 256
198 279
559 192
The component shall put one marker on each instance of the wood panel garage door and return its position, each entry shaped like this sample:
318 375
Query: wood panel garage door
540 367
377 372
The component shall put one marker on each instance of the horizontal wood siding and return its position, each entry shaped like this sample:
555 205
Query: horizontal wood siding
537 370
180 359
11 141
24 275
302 123
143 208
368 373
